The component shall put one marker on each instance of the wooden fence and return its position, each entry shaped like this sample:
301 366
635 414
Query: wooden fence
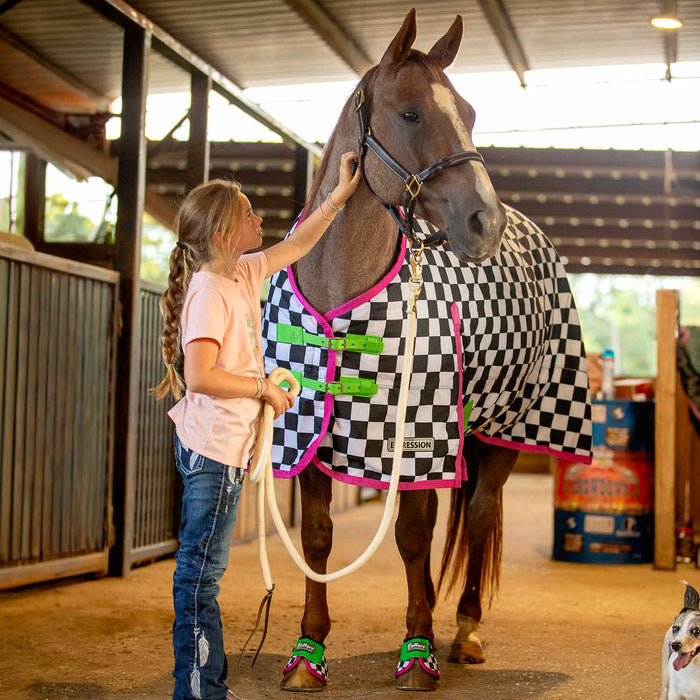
58 331
57 334
157 498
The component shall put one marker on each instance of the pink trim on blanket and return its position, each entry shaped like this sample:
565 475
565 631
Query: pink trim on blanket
460 462
514 445
371 293
382 485
330 376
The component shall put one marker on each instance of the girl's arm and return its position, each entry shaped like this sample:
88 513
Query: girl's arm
308 232
202 377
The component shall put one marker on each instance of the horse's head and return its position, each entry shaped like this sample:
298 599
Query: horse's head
420 119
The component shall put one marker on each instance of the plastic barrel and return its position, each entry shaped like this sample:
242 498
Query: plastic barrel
603 511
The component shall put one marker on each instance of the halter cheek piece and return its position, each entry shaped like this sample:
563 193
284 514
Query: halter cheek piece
413 182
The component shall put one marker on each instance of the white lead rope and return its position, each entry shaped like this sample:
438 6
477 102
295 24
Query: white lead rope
262 474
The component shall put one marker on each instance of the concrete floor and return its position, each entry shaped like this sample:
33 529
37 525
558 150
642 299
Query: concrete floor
556 630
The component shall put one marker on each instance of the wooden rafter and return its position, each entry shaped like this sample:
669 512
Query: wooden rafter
503 28
124 14
333 33
101 101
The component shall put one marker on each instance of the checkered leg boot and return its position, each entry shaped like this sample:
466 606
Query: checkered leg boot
313 656
421 649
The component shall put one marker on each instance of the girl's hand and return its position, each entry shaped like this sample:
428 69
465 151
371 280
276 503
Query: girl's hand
279 399
347 182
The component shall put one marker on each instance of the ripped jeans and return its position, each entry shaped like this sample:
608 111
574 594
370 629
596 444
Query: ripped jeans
209 509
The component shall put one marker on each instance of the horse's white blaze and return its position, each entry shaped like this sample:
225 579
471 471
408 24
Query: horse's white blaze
445 100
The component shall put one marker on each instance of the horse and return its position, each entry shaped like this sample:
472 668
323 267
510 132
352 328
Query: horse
405 117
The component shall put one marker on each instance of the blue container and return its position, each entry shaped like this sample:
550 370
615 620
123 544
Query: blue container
623 425
603 512
603 538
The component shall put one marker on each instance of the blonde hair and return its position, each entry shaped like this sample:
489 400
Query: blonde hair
209 208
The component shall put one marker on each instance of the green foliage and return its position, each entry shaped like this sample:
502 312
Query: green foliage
619 312
157 243
63 223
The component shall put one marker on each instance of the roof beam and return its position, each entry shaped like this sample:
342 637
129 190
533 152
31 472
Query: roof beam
333 33
504 30
123 14
101 101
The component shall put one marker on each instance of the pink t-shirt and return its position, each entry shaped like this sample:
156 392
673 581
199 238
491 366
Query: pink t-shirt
227 312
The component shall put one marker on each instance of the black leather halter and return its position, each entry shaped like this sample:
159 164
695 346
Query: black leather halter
412 182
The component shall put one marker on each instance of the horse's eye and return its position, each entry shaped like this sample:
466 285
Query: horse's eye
410 117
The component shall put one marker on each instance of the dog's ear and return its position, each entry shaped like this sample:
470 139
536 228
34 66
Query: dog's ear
691 601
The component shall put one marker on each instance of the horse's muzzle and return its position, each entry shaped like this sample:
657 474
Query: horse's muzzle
479 236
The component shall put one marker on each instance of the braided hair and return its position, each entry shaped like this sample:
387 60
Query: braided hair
209 208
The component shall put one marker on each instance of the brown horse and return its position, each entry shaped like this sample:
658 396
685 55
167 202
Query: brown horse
420 120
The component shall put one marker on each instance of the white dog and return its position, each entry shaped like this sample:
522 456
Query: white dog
680 657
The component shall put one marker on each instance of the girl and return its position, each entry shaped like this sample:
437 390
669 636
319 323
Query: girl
212 310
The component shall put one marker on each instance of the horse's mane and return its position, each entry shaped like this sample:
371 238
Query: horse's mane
328 149
429 65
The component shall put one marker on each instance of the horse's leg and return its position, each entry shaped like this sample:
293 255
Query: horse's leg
316 539
484 522
414 532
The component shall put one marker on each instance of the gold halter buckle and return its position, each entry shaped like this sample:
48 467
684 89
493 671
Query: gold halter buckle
414 182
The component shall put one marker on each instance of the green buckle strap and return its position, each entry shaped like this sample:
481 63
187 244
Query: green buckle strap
313 651
350 386
417 647
296 335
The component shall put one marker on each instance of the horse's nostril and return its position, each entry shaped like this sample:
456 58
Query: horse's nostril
478 223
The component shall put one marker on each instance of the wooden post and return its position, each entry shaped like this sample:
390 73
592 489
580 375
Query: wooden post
34 199
198 145
131 181
665 431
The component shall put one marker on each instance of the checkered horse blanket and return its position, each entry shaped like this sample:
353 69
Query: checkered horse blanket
498 353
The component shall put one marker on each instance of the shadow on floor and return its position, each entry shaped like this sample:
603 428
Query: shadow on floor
352 678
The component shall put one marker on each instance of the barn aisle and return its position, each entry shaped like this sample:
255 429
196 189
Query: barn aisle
555 631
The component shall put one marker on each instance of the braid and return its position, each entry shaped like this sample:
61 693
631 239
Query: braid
208 208
170 308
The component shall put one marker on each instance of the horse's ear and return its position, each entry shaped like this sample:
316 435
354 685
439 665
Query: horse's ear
401 44
446 48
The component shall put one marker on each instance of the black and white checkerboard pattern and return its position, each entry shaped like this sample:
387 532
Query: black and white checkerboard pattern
318 670
430 665
522 360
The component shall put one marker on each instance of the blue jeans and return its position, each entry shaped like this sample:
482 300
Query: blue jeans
209 508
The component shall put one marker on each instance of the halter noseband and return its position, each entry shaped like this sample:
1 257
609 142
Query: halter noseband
413 182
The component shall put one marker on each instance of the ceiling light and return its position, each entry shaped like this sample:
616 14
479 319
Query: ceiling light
668 17
666 22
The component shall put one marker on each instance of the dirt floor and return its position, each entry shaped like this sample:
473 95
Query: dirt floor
555 631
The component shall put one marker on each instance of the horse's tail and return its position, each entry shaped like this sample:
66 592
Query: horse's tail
455 557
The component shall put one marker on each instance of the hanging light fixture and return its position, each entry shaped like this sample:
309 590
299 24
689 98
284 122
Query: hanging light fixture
668 18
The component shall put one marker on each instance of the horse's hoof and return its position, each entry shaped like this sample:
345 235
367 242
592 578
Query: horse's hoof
299 680
466 653
416 679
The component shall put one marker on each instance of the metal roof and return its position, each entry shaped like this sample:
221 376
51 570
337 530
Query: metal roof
266 42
